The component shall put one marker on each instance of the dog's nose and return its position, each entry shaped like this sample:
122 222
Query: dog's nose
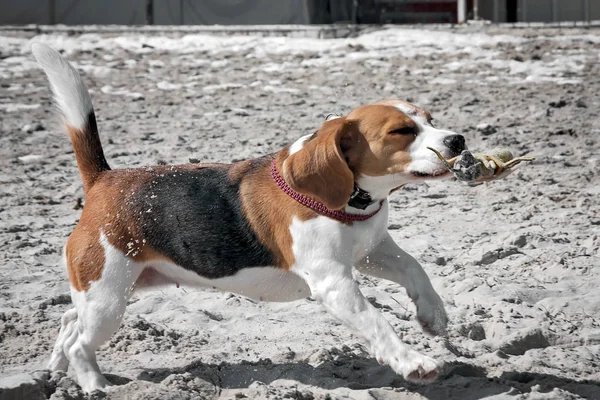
456 143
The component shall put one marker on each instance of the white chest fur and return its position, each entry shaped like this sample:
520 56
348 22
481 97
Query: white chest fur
323 239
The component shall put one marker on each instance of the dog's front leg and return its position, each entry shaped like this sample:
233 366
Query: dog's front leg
332 285
388 261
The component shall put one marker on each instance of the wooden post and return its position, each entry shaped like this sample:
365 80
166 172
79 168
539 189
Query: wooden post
475 10
461 12
149 12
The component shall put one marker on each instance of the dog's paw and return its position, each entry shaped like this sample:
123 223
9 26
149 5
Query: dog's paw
421 369
96 382
416 367
432 316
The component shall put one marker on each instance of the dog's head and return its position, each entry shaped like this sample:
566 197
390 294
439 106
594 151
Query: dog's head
380 147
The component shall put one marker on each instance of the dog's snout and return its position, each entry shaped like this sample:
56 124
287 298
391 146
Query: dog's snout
456 143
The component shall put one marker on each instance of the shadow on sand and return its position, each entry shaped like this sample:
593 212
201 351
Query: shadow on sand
458 380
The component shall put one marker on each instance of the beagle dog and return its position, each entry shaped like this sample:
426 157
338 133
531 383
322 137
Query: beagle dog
281 227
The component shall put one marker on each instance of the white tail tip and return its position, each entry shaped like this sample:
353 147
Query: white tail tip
70 93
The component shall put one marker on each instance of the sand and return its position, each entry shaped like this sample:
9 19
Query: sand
516 261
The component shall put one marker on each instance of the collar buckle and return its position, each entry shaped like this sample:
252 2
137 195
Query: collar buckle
360 199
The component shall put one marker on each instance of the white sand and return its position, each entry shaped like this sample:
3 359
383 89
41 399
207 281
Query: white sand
516 261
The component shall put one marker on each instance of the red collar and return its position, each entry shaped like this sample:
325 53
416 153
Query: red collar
318 206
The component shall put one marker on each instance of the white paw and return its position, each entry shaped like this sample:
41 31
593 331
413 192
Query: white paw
432 315
95 382
415 367
58 362
421 369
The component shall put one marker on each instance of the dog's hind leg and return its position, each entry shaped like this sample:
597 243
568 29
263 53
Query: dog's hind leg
59 360
100 306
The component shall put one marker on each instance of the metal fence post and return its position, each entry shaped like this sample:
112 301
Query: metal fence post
554 10
586 10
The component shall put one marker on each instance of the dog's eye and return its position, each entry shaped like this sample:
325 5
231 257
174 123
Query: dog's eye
405 130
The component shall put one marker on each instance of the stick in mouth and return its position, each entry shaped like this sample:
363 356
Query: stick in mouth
448 163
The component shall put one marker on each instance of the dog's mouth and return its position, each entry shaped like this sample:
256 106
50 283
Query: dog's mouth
435 174
430 168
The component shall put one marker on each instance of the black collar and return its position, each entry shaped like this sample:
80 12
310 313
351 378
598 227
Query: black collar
360 199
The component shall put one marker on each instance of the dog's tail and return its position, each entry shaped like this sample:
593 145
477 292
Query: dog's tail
75 106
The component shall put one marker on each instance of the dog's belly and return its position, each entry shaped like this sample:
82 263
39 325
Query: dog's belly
258 283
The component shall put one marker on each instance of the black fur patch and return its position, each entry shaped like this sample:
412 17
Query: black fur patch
92 127
195 218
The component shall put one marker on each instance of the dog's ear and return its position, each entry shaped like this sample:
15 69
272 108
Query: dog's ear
319 170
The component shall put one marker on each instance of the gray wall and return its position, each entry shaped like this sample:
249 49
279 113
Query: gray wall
493 11
73 12
230 12
166 12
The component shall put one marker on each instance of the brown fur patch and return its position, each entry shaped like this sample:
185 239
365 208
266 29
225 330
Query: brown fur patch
260 198
319 170
85 258
88 153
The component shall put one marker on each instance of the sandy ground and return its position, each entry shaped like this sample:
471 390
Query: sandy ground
516 261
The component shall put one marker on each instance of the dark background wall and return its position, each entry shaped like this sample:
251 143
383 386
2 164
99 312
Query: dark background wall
539 10
175 12
253 12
